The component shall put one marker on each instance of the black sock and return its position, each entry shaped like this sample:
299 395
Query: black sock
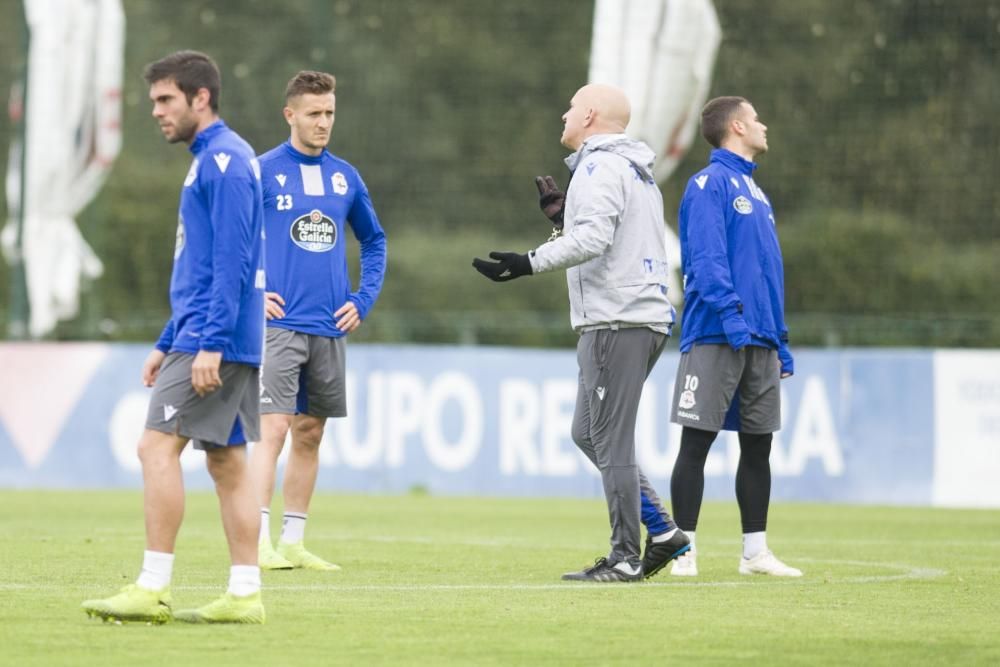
753 481
687 482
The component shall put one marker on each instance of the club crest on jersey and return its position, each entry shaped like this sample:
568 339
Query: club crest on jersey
339 183
314 232
742 205
181 238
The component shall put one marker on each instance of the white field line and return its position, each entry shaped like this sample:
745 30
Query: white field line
319 535
517 542
526 542
903 572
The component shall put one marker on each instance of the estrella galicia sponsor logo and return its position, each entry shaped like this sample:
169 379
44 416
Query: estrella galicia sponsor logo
742 205
181 237
314 232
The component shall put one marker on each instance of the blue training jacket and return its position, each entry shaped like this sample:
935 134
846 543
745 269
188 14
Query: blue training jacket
307 201
217 286
730 257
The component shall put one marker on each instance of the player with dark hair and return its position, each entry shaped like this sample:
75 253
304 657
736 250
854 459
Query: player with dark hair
205 366
310 198
734 343
612 247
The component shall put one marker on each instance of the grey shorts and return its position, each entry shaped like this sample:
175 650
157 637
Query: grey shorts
230 415
713 380
303 374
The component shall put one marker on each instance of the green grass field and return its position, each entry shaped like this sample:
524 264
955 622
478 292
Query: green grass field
432 580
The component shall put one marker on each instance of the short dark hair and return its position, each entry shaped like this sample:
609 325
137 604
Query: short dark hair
191 71
311 83
715 118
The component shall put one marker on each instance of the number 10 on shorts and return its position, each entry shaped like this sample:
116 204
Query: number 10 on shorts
686 400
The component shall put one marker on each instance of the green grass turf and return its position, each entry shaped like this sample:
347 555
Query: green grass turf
434 580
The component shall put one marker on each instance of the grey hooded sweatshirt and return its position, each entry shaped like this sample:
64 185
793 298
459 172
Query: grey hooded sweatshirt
612 245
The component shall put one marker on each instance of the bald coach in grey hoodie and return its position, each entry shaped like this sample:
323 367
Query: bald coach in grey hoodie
612 248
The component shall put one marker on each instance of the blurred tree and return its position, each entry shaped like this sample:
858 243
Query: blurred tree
884 137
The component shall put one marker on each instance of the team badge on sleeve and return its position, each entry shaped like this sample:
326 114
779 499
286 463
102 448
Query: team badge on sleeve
742 205
339 183
314 232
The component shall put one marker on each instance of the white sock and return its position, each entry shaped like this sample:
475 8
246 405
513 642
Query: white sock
754 543
265 525
244 580
690 535
663 537
293 528
626 568
157 567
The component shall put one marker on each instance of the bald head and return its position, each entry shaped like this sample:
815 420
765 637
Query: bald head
596 108
609 104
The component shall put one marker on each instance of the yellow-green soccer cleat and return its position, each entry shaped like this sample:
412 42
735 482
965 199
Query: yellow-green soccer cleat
133 604
227 609
269 559
297 555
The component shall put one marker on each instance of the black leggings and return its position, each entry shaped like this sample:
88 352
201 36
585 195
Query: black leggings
753 479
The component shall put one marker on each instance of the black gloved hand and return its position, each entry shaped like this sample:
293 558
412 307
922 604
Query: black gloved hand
550 199
510 265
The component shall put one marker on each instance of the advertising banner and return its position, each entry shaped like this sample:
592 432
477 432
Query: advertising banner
859 426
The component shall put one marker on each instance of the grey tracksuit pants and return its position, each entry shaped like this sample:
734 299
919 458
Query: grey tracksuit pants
614 364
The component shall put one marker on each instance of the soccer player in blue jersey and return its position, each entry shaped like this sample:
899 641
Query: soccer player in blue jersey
734 343
205 366
310 198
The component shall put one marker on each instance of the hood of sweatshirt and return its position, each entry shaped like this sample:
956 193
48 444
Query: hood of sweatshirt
636 152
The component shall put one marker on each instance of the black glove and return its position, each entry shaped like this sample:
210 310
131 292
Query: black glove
550 199
510 265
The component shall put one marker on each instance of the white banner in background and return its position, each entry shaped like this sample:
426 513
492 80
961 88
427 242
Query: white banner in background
661 53
72 136
967 428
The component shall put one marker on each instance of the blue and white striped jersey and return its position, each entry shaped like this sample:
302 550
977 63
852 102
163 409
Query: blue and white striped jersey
308 202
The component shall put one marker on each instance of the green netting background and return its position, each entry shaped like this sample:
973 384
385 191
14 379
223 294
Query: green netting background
883 169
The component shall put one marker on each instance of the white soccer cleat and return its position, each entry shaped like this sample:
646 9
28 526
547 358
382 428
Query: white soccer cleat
766 563
685 565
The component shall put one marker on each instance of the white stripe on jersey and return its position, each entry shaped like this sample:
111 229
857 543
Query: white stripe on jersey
312 179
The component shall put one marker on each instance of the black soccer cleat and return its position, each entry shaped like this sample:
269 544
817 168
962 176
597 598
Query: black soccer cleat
658 554
602 571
